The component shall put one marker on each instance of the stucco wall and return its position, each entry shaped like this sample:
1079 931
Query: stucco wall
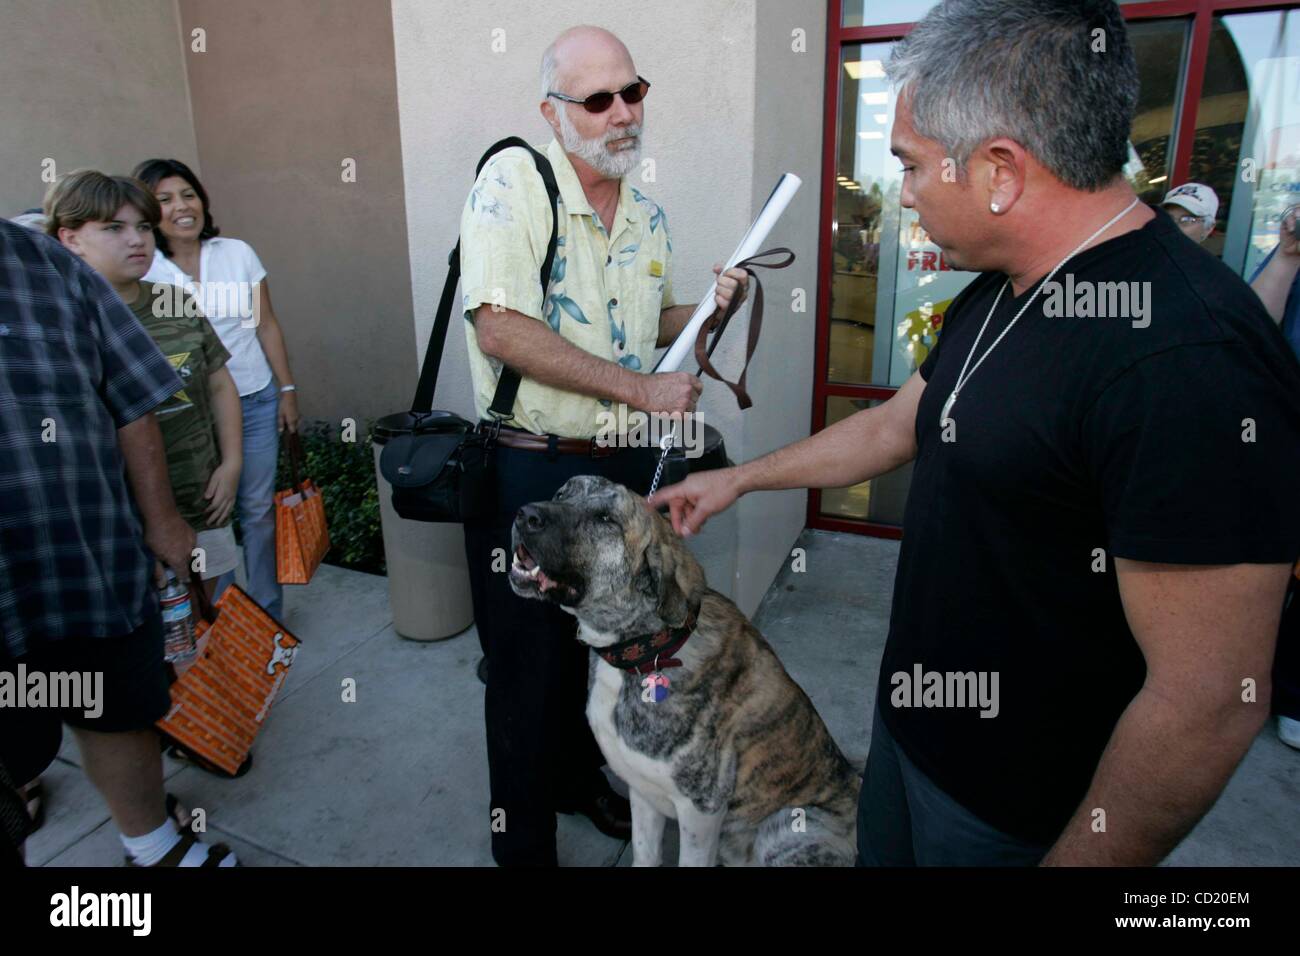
789 82
87 85
283 94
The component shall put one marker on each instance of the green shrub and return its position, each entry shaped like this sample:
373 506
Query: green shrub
345 473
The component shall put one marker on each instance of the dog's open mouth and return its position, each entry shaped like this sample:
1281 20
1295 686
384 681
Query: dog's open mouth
526 573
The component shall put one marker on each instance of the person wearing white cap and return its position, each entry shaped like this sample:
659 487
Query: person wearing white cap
1192 206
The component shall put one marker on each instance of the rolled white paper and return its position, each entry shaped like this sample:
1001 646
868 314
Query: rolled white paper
684 344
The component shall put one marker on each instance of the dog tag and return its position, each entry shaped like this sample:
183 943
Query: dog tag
656 688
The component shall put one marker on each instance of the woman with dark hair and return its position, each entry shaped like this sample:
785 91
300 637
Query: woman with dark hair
227 279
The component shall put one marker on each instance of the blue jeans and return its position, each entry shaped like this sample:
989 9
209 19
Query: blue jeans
904 819
256 498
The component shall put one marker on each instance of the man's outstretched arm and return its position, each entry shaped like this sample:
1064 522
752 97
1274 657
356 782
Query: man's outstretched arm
870 443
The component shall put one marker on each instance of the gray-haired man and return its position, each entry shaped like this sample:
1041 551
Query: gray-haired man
1100 524
582 345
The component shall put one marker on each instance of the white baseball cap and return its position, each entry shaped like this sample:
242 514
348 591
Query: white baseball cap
1196 198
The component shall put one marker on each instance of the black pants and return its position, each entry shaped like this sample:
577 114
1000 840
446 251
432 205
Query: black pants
905 819
541 752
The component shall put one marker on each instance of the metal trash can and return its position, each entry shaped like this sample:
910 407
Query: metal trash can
428 578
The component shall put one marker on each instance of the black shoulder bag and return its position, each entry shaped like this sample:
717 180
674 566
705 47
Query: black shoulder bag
439 464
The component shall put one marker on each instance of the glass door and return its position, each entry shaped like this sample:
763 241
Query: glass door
1248 131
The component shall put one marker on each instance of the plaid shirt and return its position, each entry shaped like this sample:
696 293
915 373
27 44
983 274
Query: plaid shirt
75 366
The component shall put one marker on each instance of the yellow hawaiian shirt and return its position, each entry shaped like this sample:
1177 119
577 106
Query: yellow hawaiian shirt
606 290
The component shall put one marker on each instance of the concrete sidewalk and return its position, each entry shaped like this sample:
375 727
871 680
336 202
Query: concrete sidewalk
399 778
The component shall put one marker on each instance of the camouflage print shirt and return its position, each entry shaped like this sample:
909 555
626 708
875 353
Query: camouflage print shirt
189 428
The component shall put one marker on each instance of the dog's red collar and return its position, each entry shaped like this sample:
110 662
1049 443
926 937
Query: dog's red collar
650 652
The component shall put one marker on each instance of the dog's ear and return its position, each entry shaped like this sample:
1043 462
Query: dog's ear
645 579
675 578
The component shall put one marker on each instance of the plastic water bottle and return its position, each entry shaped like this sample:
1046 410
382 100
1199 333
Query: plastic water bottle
178 621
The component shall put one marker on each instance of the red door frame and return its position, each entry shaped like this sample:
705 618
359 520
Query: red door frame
1201 13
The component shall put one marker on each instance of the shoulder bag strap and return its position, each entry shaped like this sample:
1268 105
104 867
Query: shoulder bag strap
508 385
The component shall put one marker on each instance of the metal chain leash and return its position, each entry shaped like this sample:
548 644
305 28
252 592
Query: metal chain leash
666 444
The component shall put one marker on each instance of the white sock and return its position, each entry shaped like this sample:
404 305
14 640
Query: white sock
149 849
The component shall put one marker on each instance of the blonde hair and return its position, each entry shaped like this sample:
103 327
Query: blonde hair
88 195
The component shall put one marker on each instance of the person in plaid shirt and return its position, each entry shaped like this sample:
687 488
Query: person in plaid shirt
79 378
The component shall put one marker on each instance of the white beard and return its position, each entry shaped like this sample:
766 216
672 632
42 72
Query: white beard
593 151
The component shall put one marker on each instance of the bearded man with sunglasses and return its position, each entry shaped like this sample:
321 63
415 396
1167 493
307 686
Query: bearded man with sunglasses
582 346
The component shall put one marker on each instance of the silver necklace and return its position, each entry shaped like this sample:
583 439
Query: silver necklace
964 376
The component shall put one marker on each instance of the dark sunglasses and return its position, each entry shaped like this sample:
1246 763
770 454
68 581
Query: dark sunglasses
599 102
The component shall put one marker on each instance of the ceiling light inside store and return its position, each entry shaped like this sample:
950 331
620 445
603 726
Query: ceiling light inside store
865 69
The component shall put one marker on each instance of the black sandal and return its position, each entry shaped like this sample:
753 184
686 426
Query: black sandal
216 853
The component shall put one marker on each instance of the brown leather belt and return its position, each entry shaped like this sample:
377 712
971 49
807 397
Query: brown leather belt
514 438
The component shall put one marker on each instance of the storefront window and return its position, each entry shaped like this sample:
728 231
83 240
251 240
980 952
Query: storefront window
1160 48
870 13
1247 144
881 500
868 180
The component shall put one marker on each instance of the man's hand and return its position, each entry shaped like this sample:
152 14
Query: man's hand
669 392
221 491
1288 244
693 501
172 541
732 283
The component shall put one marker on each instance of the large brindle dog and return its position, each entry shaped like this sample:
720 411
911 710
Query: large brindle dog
735 751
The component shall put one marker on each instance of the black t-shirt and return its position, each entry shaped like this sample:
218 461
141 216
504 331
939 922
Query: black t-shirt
1116 433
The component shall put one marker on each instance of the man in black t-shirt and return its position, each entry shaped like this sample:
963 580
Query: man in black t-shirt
1101 521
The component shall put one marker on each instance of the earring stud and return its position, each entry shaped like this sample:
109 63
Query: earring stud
995 207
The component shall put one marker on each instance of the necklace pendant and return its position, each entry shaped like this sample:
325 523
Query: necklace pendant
947 408
655 688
